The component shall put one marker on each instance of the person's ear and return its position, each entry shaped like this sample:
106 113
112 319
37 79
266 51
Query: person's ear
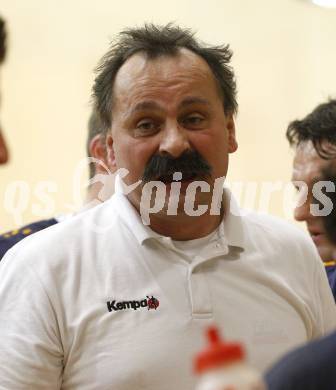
3 150
231 129
97 149
110 154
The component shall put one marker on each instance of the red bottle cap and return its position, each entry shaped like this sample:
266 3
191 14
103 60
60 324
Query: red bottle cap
218 353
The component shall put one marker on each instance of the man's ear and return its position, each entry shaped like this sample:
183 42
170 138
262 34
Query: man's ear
110 154
231 129
3 150
97 149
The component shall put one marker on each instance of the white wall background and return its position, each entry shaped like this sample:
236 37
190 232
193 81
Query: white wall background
284 57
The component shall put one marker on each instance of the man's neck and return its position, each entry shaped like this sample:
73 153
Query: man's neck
93 193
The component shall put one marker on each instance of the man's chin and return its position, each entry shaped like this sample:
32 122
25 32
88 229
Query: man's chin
184 185
319 239
326 252
176 199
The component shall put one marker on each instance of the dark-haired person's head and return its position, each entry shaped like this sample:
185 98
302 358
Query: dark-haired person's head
3 146
314 140
154 41
162 93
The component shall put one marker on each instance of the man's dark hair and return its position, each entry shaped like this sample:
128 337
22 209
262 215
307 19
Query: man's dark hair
329 174
319 127
155 41
2 41
95 127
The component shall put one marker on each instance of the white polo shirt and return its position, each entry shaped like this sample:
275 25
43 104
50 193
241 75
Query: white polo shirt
103 302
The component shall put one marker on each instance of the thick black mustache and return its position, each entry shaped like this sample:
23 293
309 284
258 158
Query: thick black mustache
190 163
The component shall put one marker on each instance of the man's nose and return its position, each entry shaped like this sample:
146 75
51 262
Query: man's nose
302 211
174 140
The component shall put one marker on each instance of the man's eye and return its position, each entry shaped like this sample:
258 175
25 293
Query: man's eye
194 121
145 127
299 186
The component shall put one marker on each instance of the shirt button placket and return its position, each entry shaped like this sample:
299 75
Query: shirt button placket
200 297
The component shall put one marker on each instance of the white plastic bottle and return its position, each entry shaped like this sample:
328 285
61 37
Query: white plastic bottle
222 366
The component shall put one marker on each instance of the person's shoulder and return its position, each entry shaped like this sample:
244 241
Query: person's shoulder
308 367
12 237
331 273
26 230
68 234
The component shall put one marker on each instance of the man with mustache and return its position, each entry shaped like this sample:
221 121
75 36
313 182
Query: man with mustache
307 136
106 301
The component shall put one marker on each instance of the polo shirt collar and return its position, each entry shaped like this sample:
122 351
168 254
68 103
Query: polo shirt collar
132 219
233 221
130 215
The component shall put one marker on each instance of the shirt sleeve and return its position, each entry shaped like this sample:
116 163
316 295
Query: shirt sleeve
30 344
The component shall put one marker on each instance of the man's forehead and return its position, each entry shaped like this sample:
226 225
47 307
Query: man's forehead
308 164
306 153
140 67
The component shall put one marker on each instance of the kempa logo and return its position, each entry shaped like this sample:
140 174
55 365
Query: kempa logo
150 302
